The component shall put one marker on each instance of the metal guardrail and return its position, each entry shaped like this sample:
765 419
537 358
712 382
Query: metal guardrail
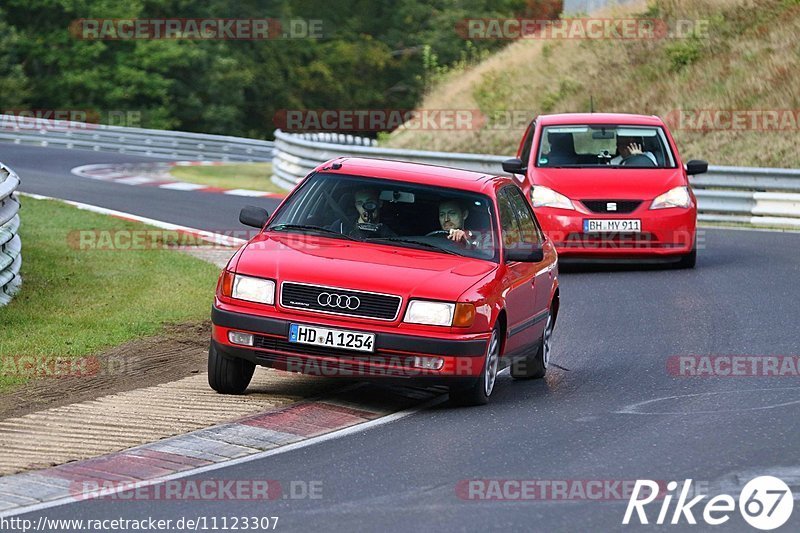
296 155
758 196
10 244
144 142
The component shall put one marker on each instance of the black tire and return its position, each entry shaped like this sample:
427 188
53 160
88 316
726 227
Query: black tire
534 366
688 261
479 392
228 375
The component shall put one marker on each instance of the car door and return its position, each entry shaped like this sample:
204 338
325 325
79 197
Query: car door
532 234
518 281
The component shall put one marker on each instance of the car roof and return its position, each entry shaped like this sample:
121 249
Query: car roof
599 118
405 171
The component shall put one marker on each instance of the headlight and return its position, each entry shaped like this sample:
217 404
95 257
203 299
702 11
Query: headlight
430 313
677 197
253 289
544 197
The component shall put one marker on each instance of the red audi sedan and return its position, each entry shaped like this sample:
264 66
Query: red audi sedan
608 186
375 269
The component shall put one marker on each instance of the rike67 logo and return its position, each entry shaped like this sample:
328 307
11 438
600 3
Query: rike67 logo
765 503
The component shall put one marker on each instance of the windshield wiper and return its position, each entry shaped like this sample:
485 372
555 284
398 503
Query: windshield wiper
318 229
412 241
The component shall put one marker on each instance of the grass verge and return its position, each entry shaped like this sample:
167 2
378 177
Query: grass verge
77 302
255 176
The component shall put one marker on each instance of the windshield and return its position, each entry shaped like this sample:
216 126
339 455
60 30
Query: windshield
392 213
603 145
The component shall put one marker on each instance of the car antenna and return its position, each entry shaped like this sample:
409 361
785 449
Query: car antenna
591 104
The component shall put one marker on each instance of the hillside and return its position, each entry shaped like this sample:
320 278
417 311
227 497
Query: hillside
748 60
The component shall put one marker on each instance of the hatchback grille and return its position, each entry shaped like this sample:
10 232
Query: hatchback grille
337 301
602 206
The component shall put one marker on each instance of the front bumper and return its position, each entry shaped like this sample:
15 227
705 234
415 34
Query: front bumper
666 234
393 357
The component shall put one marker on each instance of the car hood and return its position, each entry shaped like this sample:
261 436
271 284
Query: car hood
361 266
609 183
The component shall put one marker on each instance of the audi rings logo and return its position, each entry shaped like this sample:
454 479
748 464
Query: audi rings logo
339 301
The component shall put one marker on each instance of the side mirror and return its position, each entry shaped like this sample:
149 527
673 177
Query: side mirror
525 254
513 166
253 216
696 166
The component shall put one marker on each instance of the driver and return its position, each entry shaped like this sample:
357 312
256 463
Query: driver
451 217
627 147
367 223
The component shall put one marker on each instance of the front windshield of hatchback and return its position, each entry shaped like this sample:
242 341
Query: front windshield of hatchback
604 146
394 213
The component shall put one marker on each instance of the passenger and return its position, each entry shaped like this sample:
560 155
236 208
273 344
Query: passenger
368 206
562 149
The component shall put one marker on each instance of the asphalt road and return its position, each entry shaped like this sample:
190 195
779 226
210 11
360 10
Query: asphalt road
46 171
586 421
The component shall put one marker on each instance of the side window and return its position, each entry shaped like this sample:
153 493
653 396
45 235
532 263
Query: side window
529 229
509 227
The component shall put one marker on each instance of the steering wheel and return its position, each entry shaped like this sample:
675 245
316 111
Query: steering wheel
438 232
637 160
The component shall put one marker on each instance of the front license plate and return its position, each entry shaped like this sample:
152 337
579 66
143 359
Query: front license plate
332 338
612 226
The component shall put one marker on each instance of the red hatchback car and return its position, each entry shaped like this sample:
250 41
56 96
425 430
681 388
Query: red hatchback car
610 187
383 269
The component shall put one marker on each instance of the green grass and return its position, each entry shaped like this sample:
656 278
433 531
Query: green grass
254 176
77 302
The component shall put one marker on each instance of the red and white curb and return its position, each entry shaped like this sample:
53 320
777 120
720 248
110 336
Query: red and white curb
157 175
221 446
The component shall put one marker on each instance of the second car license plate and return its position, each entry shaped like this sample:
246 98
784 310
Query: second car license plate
612 226
333 338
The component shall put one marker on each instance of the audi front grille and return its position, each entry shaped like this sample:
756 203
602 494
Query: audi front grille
338 301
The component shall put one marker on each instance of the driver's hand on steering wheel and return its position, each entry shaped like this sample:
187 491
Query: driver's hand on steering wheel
458 235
